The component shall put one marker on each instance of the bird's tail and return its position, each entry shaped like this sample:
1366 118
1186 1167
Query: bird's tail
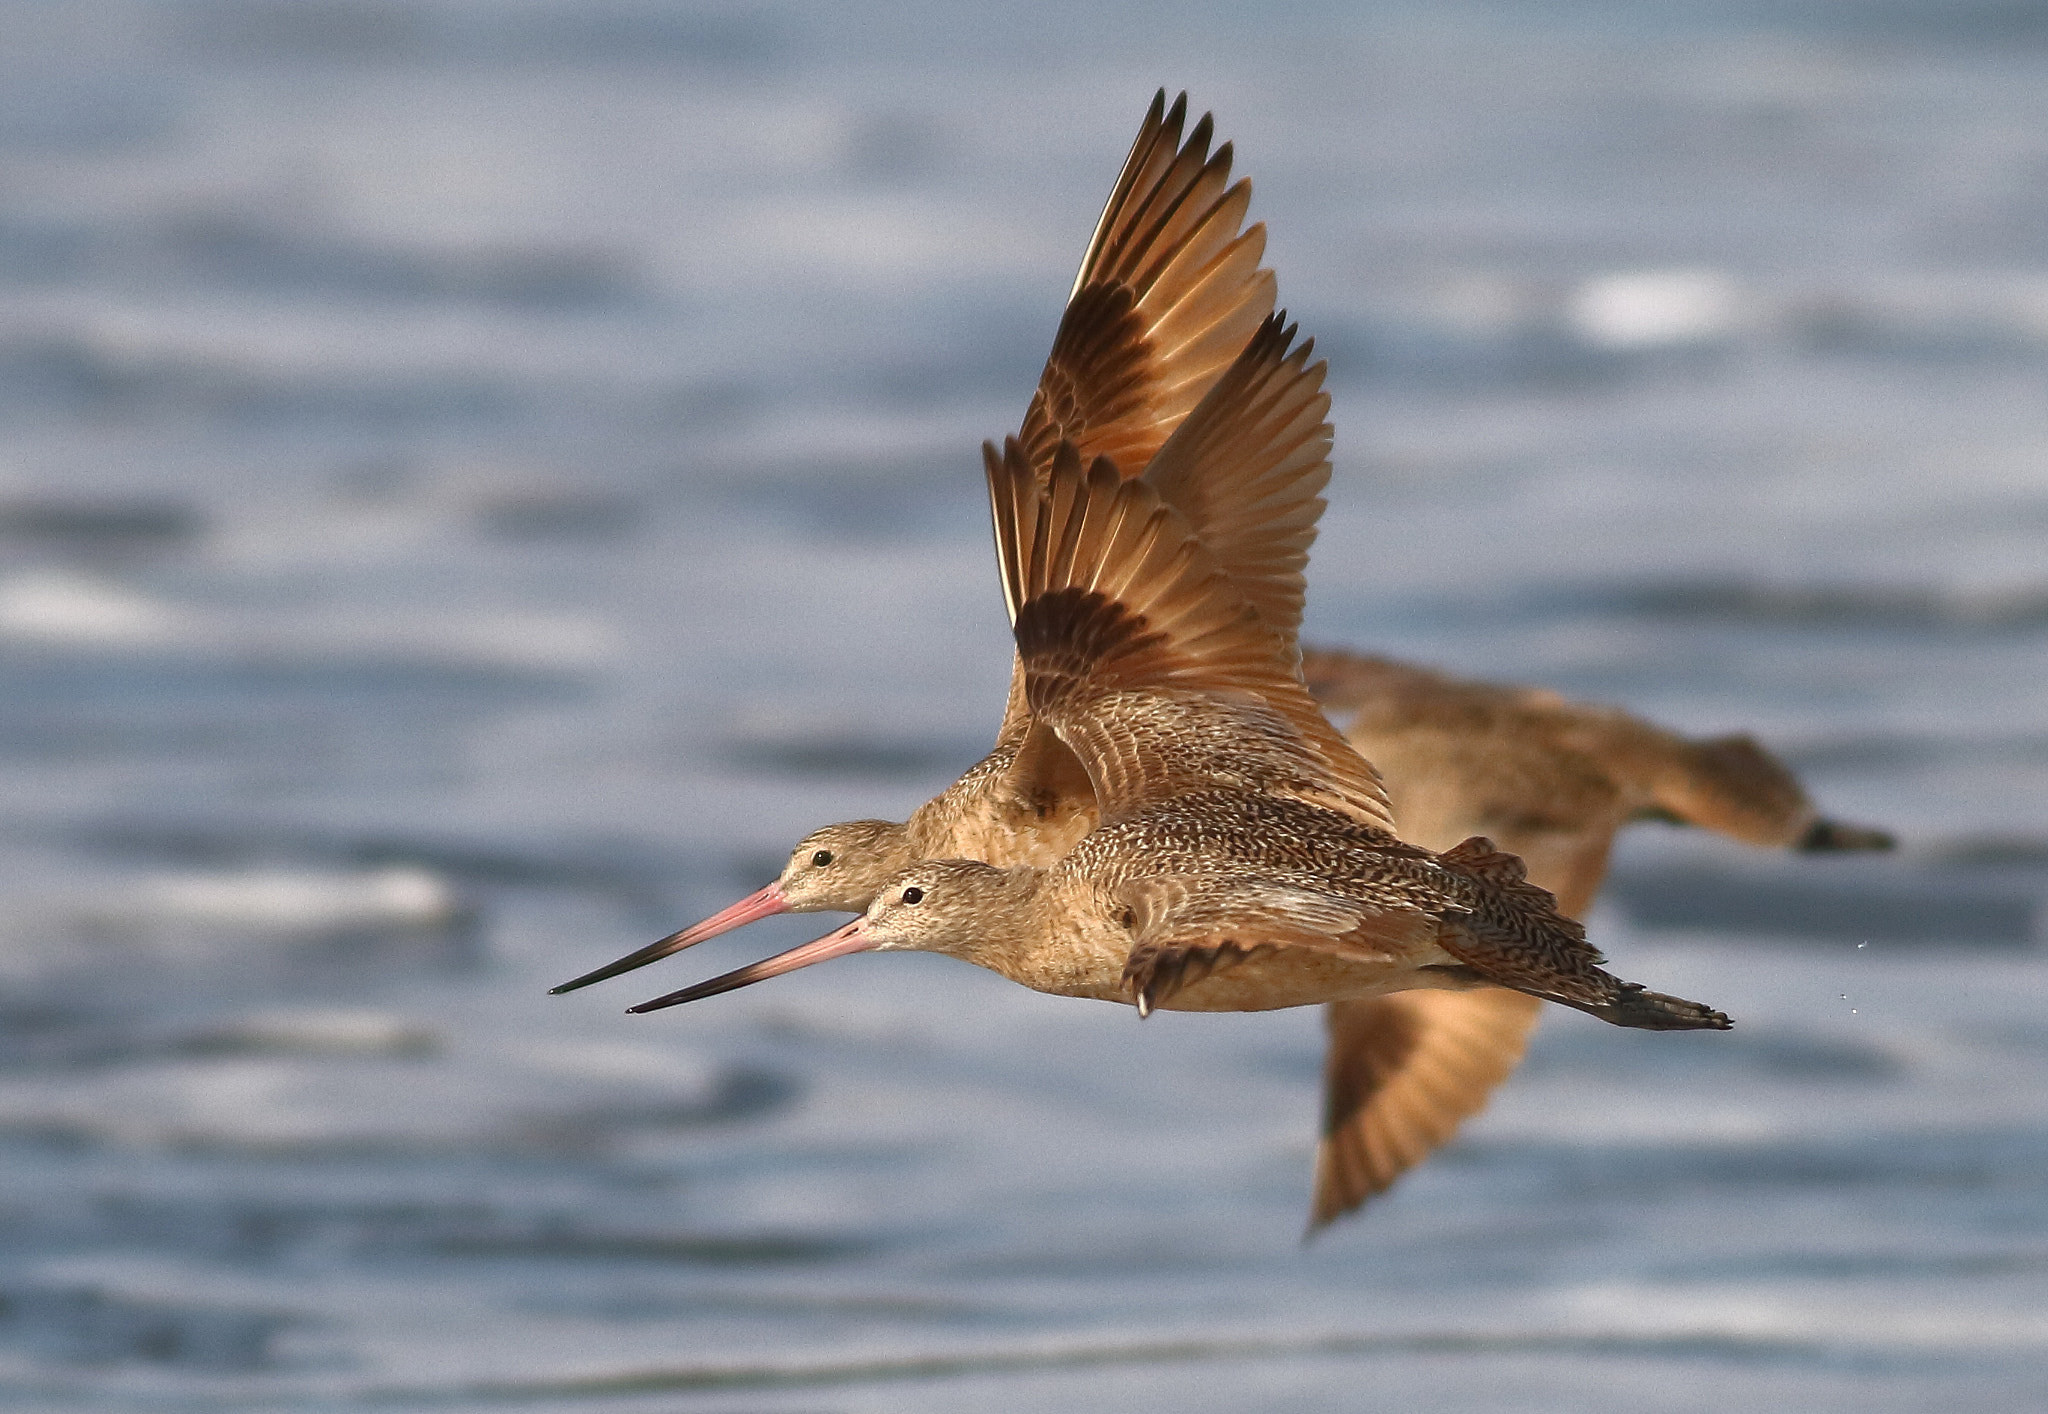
1511 935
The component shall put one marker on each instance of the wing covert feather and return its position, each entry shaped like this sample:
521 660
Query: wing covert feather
1184 930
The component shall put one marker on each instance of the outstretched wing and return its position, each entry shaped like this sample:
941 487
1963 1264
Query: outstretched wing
1731 785
1401 1073
1544 775
1167 295
1144 658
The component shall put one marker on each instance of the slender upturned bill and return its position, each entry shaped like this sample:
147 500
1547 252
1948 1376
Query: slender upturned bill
837 943
762 903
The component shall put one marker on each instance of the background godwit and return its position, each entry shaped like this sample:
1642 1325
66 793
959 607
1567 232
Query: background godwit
1551 782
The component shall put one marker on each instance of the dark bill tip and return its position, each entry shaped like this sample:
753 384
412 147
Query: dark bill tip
762 903
837 943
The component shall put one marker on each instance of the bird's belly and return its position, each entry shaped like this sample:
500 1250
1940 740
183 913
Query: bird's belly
1302 977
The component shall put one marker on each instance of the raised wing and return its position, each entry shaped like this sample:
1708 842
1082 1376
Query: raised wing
1144 658
1167 295
1246 469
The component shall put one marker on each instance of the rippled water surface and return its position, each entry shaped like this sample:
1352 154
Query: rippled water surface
481 477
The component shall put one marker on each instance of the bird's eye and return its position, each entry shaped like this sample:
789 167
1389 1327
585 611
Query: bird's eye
822 858
913 895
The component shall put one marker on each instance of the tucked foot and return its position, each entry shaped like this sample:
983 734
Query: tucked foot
1154 975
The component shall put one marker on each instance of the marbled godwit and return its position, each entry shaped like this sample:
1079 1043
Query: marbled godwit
1550 781
1232 869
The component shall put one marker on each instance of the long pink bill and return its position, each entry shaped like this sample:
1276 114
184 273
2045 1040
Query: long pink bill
762 903
838 943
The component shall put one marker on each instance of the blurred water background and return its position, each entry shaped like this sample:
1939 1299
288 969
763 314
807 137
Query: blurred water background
481 477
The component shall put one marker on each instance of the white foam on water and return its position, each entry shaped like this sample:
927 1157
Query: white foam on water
1651 309
59 607
298 900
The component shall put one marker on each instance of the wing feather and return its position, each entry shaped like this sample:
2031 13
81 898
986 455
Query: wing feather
1145 659
1401 1073
1169 291
1552 781
1185 930
1247 469
1167 294
1543 774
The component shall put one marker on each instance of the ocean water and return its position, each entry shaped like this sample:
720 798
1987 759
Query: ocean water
481 477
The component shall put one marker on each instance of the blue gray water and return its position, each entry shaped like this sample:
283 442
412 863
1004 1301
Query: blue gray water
480 479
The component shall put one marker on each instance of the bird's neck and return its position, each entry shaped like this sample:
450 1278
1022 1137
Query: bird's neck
1008 809
1040 933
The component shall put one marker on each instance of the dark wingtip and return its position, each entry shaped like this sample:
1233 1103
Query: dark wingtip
1834 837
1635 1006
